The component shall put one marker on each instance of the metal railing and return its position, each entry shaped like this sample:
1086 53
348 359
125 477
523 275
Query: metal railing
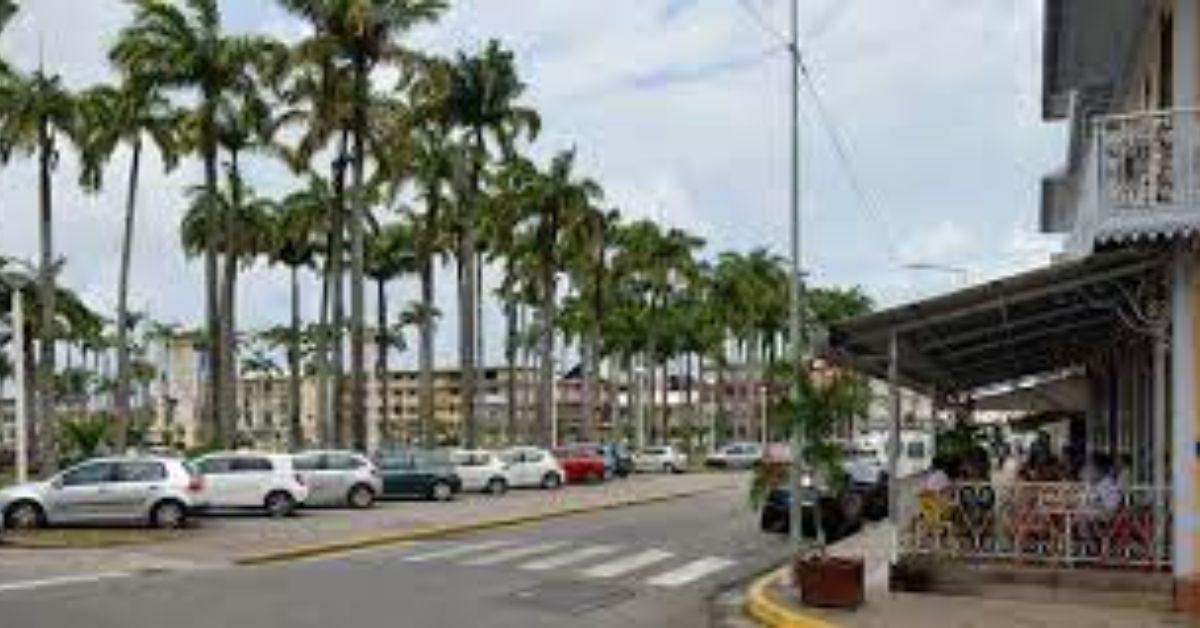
1149 160
1054 523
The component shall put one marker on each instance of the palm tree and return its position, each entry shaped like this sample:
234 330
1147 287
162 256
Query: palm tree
299 225
39 111
115 116
389 255
558 202
182 46
364 33
482 99
588 246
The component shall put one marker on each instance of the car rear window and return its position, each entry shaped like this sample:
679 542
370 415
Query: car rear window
342 462
141 471
655 451
250 464
309 462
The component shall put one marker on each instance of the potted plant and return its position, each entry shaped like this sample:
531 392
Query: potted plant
822 397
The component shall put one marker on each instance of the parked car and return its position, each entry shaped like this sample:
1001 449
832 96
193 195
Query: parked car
735 456
338 478
252 480
840 514
665 459
426 474
580 464
160 492
617 461
481 470
533 467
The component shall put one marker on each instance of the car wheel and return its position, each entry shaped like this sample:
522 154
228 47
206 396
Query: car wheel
670 468
497 486
280 504
25 515
441 492
168 515
361 497
551 480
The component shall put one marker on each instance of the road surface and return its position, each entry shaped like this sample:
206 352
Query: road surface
653 565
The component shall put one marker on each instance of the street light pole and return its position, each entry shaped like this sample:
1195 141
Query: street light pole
795 322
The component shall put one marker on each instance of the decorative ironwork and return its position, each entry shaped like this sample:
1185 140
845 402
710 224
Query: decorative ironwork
1056 523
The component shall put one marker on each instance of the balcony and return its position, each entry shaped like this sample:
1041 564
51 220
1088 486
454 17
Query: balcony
1146 180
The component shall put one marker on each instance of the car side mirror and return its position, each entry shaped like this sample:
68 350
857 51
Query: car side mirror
57 483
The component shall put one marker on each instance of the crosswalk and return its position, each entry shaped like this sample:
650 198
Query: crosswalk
658 567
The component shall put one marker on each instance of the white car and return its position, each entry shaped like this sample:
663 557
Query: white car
736 456
161 492
481 470
252 480
863 466
338 478
532 467
667 459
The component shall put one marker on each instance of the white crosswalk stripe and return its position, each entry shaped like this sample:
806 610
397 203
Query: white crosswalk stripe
627 564
515 553
570 558
455 551
690 572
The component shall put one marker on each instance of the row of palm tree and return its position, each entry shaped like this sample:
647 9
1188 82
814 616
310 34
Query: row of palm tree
403 161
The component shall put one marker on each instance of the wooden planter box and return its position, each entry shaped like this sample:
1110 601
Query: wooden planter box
829 581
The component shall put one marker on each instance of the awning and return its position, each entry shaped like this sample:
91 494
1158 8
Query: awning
1038 323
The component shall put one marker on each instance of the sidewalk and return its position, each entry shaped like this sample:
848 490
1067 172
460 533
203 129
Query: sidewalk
884 609
223 540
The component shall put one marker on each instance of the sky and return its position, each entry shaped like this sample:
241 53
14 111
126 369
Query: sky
679 108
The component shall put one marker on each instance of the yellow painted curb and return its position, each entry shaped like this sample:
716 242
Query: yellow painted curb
767 612
393 538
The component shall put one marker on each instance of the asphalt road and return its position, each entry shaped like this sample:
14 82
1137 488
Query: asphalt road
654 565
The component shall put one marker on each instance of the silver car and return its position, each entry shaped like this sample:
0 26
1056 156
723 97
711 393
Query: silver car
338 478
161 492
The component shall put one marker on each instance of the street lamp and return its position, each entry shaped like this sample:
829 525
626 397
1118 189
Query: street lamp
17 282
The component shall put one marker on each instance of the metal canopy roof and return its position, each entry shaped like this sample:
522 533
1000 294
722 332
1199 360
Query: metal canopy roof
1036 323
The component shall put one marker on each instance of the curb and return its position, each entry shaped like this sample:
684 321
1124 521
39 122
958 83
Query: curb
393 538
767 612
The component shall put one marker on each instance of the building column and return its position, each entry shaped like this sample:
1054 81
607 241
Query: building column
1183 404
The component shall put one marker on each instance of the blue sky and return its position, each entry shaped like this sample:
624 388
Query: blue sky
679 108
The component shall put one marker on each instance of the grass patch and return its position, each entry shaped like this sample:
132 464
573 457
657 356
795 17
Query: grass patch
87 538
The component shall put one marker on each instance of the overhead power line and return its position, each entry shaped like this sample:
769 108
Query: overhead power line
761 21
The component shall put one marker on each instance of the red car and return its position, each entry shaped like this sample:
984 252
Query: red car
580 464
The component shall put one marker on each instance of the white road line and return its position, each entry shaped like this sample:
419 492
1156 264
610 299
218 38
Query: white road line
454 551
26 585
575 556
627 564
691 572
514 554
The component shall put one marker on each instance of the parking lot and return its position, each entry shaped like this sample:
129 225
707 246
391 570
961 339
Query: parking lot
219 540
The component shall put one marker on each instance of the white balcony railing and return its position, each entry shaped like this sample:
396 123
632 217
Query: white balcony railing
1149 165
1054 523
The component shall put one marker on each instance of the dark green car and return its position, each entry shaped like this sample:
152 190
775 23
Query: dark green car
418 473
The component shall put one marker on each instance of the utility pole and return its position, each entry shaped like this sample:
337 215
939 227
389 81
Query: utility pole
795 322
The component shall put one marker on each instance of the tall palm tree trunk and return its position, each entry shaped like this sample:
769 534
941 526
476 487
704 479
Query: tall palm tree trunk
382 338
324 415
358 388
228 372
121 401
425 351
296 432
466 341
216 394
586 407
510 361
549 313
337 276
46 396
